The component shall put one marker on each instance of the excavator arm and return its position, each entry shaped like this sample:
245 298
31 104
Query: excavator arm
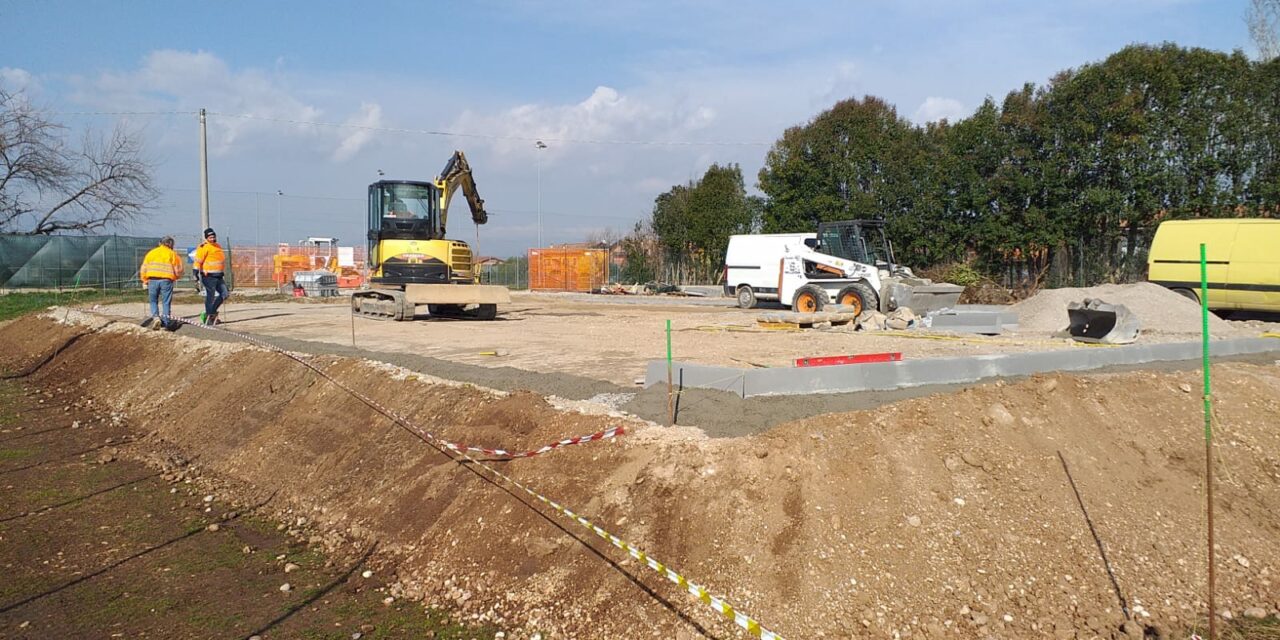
457 173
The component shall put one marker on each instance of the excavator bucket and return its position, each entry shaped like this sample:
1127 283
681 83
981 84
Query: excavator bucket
920 295
1098 322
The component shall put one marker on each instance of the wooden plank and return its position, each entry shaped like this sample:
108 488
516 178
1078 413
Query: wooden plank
778 326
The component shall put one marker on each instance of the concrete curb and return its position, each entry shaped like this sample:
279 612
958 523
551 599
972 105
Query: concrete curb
886 376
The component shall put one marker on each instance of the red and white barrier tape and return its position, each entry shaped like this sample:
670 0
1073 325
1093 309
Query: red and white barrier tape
303 359
717 604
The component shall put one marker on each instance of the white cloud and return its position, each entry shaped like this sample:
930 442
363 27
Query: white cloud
934 108
844 82
606 114
15 80
355 139
188 81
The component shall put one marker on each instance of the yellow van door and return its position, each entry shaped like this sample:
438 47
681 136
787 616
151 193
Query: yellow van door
1253 279
1175 257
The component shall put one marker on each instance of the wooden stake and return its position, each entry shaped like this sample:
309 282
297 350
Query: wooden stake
353 327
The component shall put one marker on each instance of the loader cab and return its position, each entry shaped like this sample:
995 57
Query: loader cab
858 240
403 210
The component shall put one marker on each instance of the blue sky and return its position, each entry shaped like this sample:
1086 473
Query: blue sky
697 82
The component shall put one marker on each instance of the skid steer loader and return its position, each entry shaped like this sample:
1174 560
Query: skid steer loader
849 263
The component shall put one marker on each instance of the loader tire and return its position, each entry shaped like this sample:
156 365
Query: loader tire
859 296
809 299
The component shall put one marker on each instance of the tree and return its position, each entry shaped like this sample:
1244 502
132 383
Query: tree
852 161
692 223
1263 19
641 250
47 187
1067 180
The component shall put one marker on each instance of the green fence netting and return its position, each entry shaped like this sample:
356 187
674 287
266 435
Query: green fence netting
58 262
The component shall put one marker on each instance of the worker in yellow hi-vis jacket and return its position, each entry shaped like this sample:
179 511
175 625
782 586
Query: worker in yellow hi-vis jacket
160 269
211 264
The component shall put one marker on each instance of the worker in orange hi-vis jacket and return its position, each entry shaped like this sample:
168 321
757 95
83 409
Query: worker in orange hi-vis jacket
161 267
210 265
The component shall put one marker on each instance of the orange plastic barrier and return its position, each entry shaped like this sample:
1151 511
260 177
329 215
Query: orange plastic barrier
568 269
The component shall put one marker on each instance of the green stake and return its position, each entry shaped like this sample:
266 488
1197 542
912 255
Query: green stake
1208 428
671 402
1204 317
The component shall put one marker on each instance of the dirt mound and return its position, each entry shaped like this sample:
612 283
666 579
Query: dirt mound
1158 309
950 516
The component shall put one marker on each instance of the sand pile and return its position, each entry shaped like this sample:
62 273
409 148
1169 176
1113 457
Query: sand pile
1160 310
949 516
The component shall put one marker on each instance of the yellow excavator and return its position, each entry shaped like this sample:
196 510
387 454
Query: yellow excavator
412 263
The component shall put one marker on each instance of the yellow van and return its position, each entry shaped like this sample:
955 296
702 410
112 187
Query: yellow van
1243 257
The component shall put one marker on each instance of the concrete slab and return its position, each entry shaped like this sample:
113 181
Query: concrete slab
980 322
909 373
695 376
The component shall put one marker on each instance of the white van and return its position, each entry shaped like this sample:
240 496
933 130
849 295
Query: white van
751 265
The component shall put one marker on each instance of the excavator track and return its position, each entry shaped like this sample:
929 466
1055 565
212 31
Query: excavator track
382 304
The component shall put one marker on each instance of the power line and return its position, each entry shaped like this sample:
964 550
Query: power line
267 193
119 113
428 132
454 134
562 214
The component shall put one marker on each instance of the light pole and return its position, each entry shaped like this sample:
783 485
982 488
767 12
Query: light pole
257 236
279 235
539 146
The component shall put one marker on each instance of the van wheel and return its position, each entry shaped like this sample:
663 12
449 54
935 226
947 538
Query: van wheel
746 297
809 299
859 296
1188 294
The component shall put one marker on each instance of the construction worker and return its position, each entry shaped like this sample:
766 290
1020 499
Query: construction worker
211 264
161 267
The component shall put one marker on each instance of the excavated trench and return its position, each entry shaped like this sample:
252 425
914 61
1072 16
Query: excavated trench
946 516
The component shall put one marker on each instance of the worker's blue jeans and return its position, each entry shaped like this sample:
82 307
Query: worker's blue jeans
160 291
215 293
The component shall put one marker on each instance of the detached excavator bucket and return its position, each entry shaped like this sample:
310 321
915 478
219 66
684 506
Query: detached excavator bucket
921 296
1096 321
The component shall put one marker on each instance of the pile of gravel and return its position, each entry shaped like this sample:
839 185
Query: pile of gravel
1158 309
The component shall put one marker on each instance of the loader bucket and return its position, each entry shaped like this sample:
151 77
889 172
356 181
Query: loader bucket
922 296
1098 322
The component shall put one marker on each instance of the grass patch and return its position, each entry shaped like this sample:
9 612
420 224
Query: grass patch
1246 629
405 620
15 454
13 305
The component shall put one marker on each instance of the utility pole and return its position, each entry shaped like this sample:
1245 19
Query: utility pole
539 146
204 177
279 234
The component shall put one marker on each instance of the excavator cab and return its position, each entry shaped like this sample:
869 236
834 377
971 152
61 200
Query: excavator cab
412 262
405 210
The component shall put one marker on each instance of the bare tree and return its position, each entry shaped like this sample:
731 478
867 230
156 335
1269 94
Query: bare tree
47 186
607 237
1263 19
